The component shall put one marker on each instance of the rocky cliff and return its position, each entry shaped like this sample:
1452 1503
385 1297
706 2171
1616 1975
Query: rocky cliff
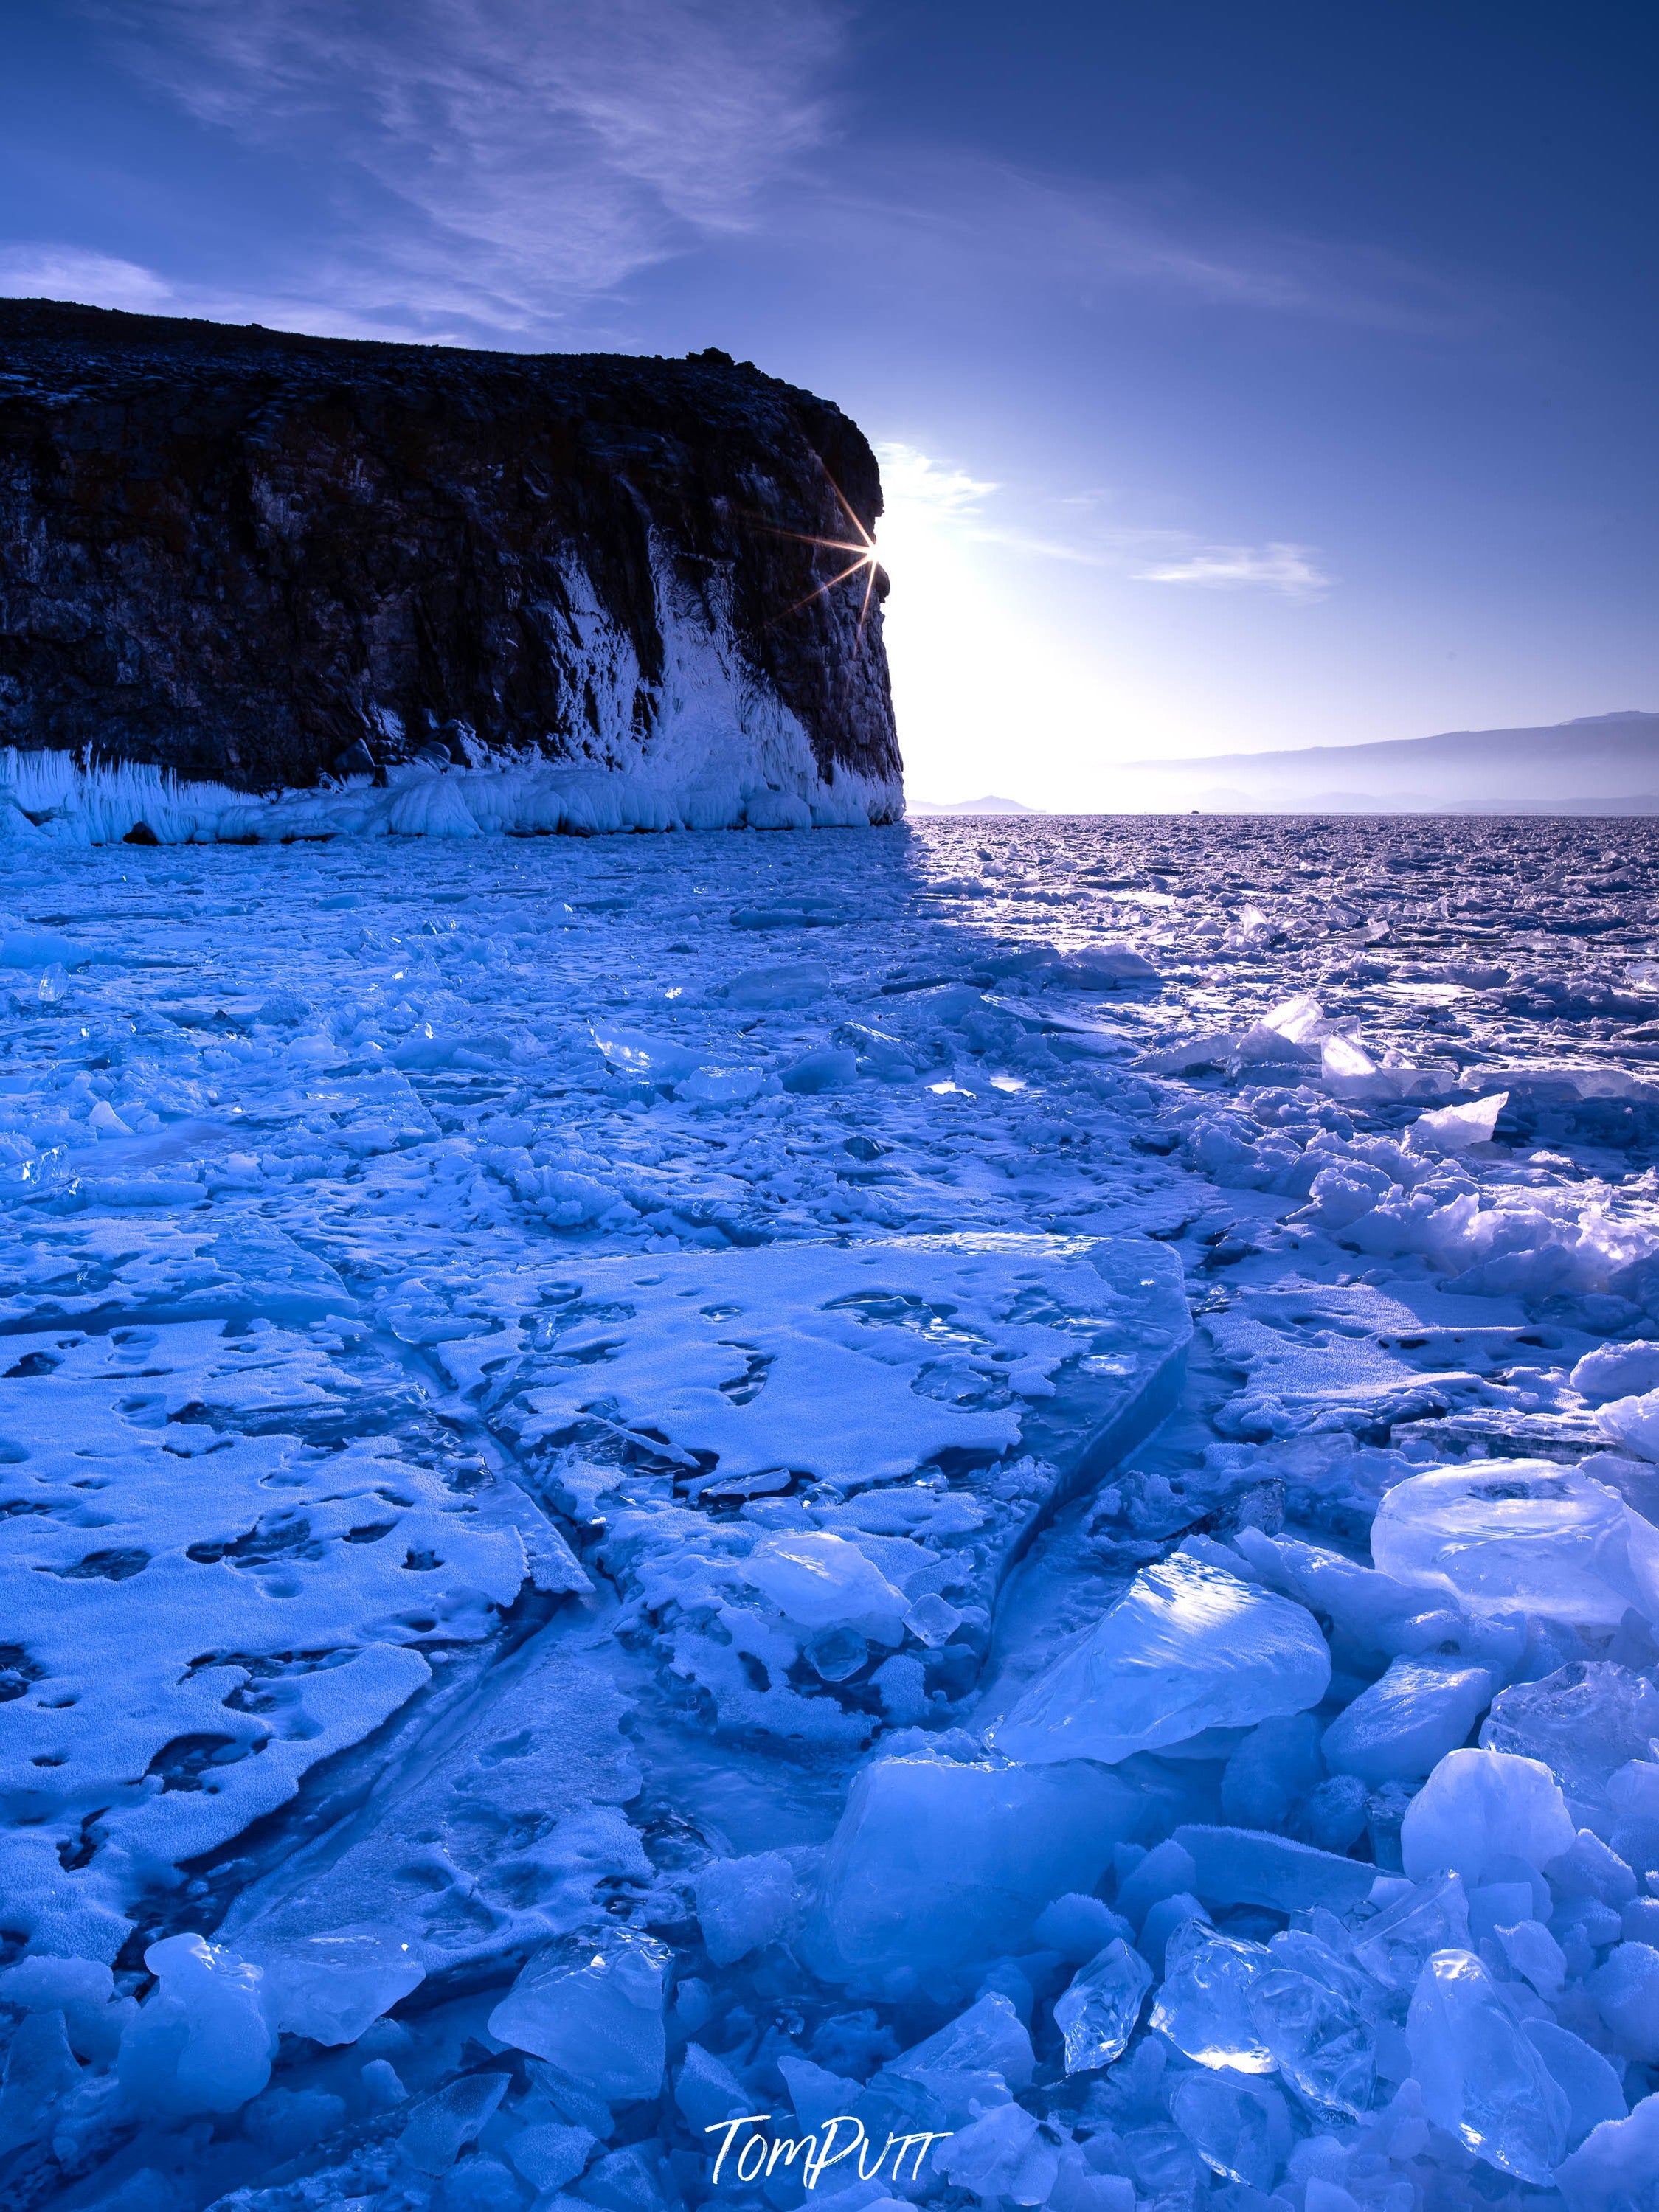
278 562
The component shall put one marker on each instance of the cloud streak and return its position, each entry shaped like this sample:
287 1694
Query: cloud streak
1289 569
498 169
31 272
944 498
497 159
966 226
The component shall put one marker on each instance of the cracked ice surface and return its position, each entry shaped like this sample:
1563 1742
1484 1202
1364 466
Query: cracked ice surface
997 1480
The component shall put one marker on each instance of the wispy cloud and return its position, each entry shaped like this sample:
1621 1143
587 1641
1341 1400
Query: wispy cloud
967 225
502 166
508 155
917 478
918 486
1290 570
69 272
33 270
944 496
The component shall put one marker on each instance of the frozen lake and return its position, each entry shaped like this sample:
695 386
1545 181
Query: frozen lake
872 1468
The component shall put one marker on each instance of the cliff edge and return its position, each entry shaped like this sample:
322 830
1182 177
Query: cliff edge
278 562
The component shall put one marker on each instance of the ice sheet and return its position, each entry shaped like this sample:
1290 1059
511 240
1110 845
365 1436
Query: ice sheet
549 1415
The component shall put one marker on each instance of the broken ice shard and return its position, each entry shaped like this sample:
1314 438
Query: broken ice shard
1398 1729
593 2006
1482 2077
332 1987
1097 2015
1204 2006
938 1867
1523 1536
1229 2124
1584 1722
1187 1647
1481 1812
1311 2011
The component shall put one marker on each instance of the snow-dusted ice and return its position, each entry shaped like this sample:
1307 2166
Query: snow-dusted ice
968 1508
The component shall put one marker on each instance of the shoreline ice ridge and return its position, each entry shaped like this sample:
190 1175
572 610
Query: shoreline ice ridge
49 798
997 1484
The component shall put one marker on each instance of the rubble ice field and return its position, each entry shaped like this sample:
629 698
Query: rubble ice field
959 1514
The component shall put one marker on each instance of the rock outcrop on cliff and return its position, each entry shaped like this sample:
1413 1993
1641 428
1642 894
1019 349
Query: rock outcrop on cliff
272 562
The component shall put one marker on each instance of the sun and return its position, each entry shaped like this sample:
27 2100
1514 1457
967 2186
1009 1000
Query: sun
866 560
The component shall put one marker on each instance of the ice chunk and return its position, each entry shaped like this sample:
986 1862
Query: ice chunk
1232 2125
1299 1019
1078 1927
1395 1945
1335 1814
440 2127
1592 1869
1613 2170
1002 2158
41 1984
937 1867
1209 1049
1455 1129
1168 1914
1242 1866
40 2072
1584 1722
1588 2083
1185 1648
1312 2012
1347 1071
743 1903
722 1087
33 947
879 1054
1521 1537
1633 1424
791 983
979 2060
593 2006
654 1060
1625 1990
821 1581
708 2092
1292 1032
1399 1727
1274 1771
1633 1828
989 2037
1104 967
817 2094
548 2155
332 1987
1617 1370
202 2042
1097 2014
1480 1809
1536 1956
1165 1871
1481 2076
825 1067
1204 2004
381 2085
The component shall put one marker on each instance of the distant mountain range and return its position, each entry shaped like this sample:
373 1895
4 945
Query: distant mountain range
967 806
1599 764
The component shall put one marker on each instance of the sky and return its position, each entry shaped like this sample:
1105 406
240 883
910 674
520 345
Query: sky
1245 372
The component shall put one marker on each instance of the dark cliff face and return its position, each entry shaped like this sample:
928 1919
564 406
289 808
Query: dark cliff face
241 554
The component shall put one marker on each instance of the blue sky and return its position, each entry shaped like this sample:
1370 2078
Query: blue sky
1244 374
